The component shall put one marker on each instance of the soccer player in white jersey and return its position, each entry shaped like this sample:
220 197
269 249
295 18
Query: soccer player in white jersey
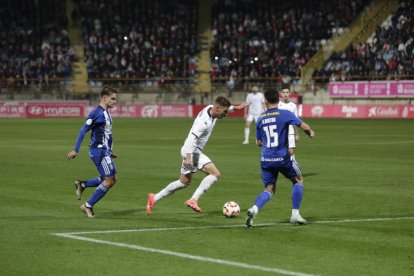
100 151
256 105
193 156
293 134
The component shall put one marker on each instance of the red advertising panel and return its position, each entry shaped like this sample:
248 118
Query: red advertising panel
55 109
13 110
148 111
374 89
357 111
126 111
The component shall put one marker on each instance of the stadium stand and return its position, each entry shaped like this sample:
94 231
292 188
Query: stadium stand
140 39
34 45
388 54
271 38
157 46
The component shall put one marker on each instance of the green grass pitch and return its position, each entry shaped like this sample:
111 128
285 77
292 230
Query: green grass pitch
358 198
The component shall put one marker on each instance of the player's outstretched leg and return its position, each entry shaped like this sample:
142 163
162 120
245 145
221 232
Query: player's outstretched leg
151 202
88 210
79 188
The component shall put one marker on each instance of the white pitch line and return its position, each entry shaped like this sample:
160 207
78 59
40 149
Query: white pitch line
186 256
74 235
231 226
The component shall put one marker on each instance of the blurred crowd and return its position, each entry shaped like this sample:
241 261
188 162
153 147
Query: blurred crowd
34 42
388 54
273 38
139 39
157 39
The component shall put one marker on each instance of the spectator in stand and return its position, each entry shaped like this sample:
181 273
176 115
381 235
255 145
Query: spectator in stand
389 54
147 40
34 47
273 38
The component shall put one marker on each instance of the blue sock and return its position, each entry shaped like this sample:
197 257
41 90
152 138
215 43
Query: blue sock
261 199
94 182
297 194
98 194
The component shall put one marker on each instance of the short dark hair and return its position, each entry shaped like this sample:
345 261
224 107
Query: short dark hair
286 86
106 91
223 101
272 96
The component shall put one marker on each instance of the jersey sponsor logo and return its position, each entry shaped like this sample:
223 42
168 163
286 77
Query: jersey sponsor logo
270 114
89 122
278 159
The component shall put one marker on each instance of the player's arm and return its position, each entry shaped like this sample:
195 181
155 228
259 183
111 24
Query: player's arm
248 102
86 127
295 111
237 107
264 107
296 133
190 145
113 154
259 142
187 160
306 128
191 142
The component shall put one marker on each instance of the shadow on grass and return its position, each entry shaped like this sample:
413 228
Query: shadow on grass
309 174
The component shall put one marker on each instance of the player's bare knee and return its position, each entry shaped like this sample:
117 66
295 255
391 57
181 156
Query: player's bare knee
215 173
297 179
185 179
271 189
110 181
218 175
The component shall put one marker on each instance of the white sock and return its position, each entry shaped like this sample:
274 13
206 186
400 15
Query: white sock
246 134
170 189
254 209
205 184
295 212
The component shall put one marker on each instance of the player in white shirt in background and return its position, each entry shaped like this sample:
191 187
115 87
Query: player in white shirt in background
293 135
193 156
256 106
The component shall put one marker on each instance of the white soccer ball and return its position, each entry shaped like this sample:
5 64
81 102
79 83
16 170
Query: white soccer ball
231 209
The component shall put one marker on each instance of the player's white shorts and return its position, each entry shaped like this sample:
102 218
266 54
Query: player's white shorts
292 141
251 117
291 137
198 161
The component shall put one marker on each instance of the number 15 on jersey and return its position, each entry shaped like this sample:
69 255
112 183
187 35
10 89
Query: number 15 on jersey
271 135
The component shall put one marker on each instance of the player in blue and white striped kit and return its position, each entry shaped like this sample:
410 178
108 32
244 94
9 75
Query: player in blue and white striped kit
272 135
99 121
